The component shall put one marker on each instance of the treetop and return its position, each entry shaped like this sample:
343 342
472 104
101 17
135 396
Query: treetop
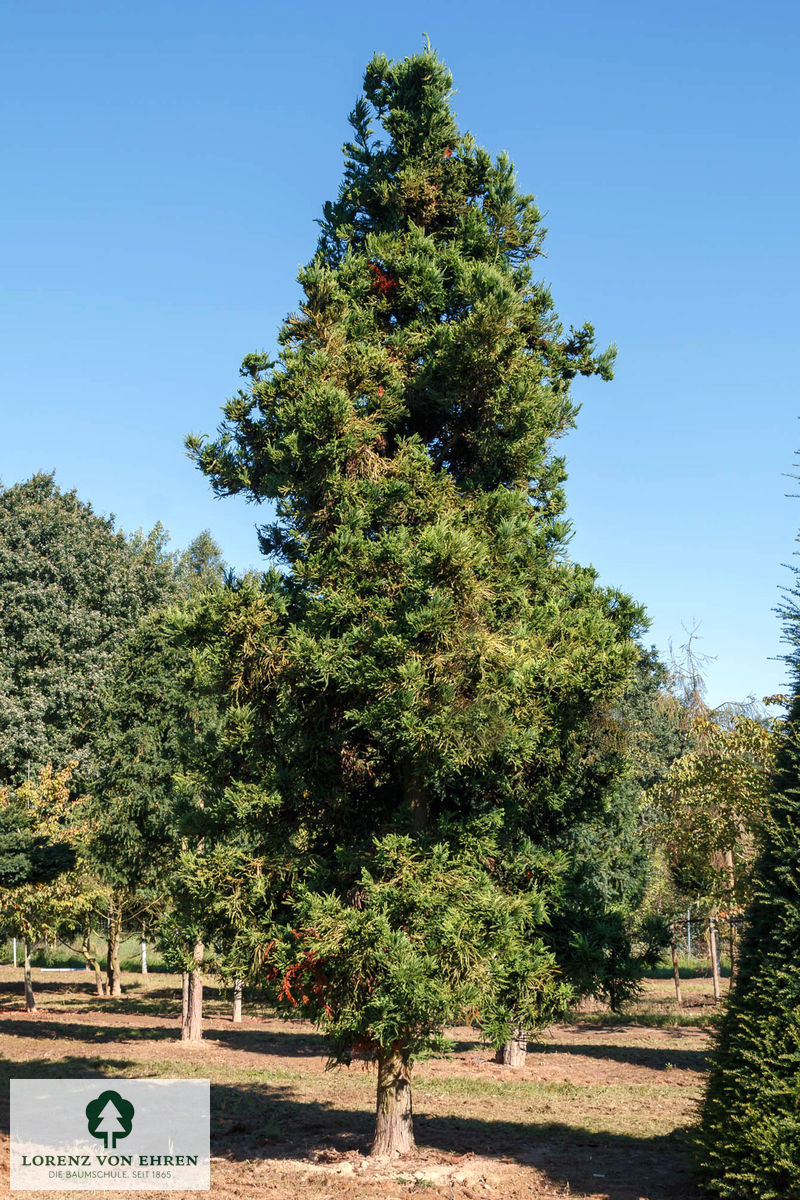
421 324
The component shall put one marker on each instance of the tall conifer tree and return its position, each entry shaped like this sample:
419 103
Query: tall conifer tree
157 732
430 657
749 1141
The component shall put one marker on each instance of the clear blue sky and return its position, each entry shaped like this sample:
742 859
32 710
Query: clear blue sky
164 162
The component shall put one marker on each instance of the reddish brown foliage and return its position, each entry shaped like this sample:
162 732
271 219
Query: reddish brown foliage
382 282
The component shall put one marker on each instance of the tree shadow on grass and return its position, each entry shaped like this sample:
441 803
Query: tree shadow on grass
39 1027
12 991
136 988
657 1058
268 1122
81 997
289 1043
78 1066
302 1043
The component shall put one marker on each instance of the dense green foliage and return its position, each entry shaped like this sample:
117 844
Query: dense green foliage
154 747
44 889
750 1137
25 856
157 728
70 587
603 934
429 656
421 936
406 436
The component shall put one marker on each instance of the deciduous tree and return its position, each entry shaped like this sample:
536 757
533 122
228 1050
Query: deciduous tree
40 893
709 809
70 587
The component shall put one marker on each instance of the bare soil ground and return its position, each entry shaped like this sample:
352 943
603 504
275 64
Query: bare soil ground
599 1112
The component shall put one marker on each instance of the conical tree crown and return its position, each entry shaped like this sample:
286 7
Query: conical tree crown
406 432
749 1143
420 323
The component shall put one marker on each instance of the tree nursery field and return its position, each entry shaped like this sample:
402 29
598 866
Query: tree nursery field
419 789
600 1111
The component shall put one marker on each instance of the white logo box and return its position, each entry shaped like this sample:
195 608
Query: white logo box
147 1135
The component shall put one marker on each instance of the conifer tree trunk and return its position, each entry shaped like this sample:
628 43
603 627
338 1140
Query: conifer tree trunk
192 1028
675 968
712 948
237 1002
30 1002
515 1050
112 958
394 1128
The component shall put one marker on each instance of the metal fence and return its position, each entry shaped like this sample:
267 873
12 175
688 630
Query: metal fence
692 941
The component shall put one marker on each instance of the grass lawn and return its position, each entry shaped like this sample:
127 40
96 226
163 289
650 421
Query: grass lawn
599 1111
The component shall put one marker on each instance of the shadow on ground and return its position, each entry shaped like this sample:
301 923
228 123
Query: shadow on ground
657 1058
80 996
271 1123
267 1122
289 1043
63 1067
39 1027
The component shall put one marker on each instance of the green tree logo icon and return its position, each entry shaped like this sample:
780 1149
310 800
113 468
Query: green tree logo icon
109 1116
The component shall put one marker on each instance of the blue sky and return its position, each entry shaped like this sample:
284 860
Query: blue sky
163 166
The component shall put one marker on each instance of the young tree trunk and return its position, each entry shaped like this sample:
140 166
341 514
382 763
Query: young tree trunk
192 1029
675 969
92 963
144 950
712 947
184 1000
514 1052
237 1002
30 1002
112 958
394 1128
